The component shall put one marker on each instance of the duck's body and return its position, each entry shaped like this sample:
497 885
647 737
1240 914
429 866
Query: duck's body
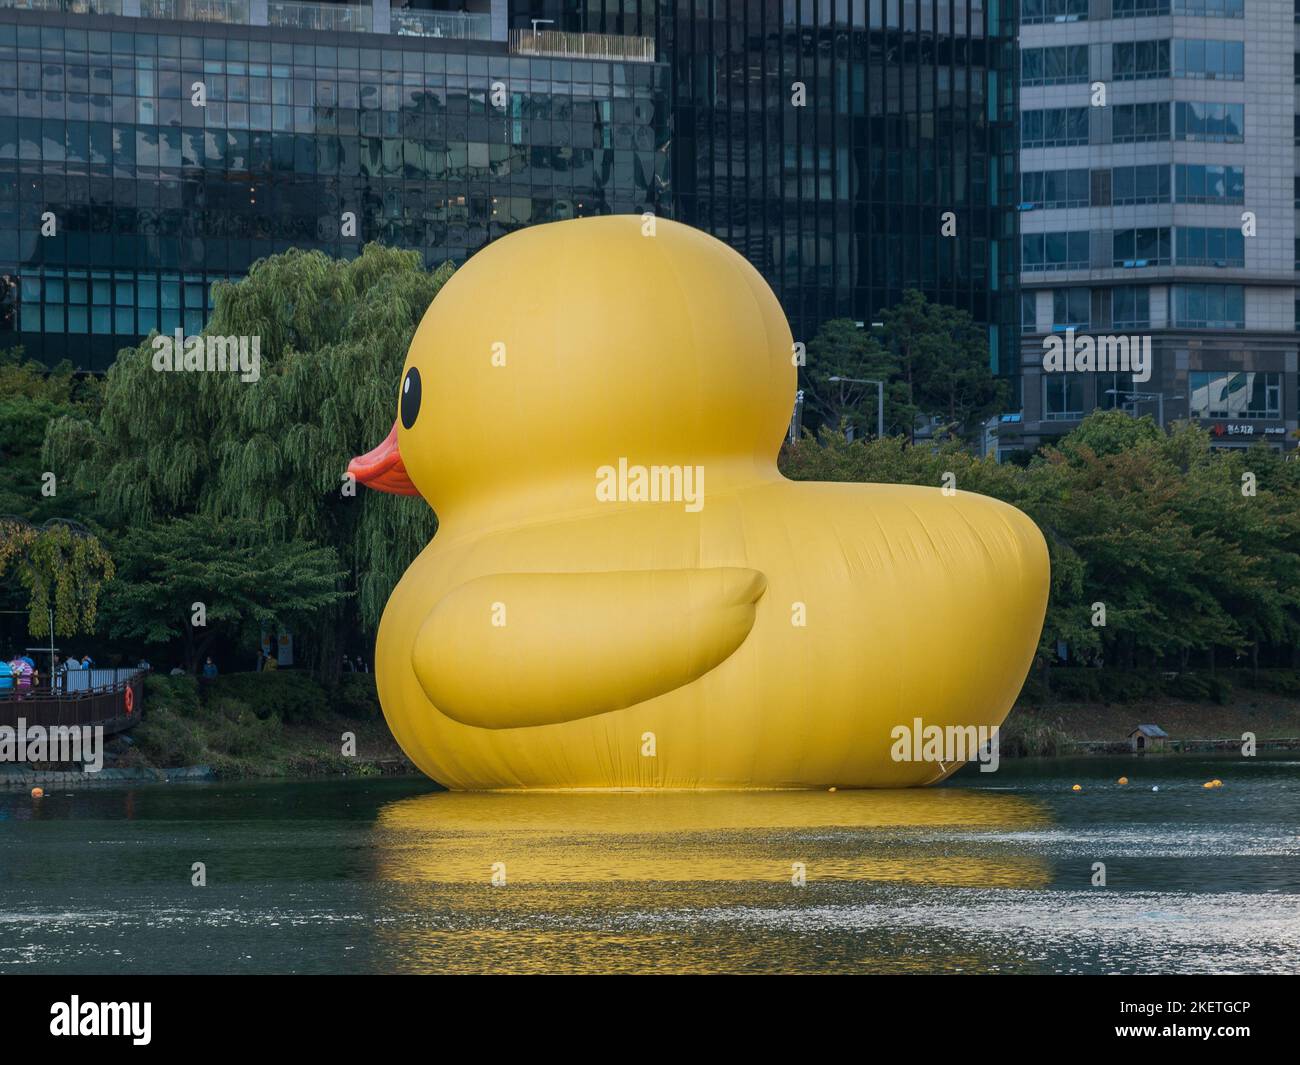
746 631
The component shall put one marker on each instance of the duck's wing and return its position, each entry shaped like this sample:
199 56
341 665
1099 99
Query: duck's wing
517 649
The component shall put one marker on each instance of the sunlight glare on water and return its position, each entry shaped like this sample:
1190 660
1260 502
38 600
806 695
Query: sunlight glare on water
990 872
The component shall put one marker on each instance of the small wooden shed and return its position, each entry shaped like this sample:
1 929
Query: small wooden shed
1148 738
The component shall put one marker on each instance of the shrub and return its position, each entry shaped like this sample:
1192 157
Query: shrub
178 694
168 739
291 696
1024 736
246 736
356 697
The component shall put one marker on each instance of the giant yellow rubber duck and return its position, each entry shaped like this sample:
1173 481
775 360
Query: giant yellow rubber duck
623 591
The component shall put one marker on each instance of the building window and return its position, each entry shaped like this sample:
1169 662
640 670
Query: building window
1062 396
1209 306
1070 307
1029 312
1054 188
1138 60
1194 183
1242 395
1115 390
1211 8
1210 246
1131 307
1059 65
1215 60
1141 247
1054 251
1054 127
1209 121
1033 12
1138 8
1133 123
1140 184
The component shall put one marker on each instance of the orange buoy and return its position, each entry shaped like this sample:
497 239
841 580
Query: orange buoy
1123 780
832 789
37 792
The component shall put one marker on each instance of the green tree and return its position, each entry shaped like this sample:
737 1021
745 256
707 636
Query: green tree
245 583
943 361
842 349
62 566
1188 549
333 337
30 398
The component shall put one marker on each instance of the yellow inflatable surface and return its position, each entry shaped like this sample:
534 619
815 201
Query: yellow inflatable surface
623 591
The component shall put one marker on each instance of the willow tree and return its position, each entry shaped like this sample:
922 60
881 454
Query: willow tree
332 338
62 566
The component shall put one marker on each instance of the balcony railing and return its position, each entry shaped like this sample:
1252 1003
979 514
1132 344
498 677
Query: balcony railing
340 18
76 7
561 45
233 12
453 25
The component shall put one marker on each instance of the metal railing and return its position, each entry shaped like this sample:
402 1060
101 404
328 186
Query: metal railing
234 12
453 25
561 45
75 7
112 698
340 18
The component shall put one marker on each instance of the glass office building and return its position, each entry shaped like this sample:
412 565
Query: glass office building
1167 217
827 140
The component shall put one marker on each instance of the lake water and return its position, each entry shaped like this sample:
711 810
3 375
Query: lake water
988 873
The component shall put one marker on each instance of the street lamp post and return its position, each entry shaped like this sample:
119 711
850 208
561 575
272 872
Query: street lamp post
1141 397
880 397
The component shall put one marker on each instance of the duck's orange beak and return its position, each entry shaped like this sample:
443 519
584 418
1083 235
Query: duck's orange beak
382 468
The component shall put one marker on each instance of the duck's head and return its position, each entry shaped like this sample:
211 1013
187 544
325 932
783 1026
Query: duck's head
564 347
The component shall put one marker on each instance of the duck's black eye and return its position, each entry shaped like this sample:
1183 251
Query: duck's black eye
410 397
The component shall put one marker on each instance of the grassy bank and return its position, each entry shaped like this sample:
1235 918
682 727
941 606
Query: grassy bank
1104 705
280 724
285 724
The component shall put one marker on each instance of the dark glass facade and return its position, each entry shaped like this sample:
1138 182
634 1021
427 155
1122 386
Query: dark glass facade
824 139
909 113
153 199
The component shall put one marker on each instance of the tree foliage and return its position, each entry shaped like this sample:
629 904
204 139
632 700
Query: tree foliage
30 397
244 583
333 337
933 358
1160 529
61 567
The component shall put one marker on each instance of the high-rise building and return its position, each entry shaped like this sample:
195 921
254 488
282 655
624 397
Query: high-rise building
1158 204
849 148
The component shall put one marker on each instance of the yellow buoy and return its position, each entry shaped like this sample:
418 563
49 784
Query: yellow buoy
37 792
1076 788
832 789
1208 784
1217 782
1123 780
